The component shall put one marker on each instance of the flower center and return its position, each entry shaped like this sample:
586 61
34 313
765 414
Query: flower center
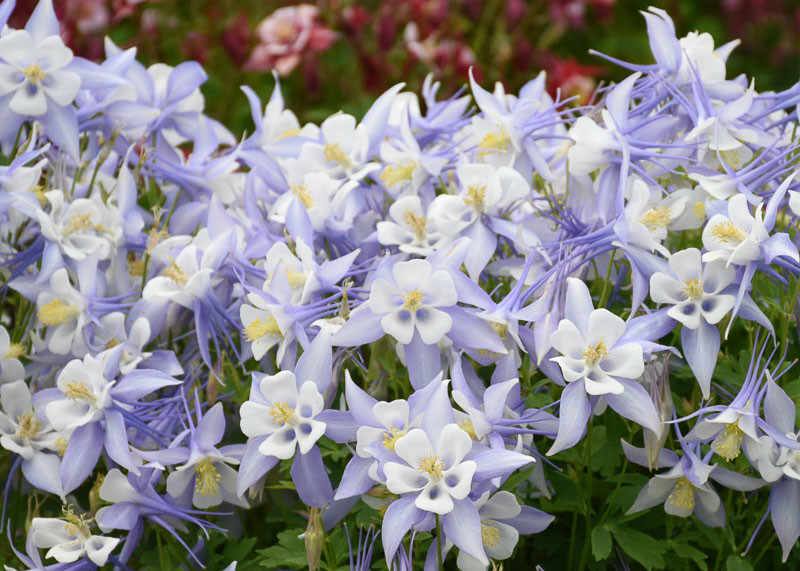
432 466
295 279
391 436
34 74
396 174
15 351
79 391
467 426
489 534
28 426
176 273
728 232
335 154
699 210
76 525
412 300
56 312
729 443
500 328
282 413
80 223
656 218
60 445
476 196
595 354
683 494
301 192
693 289
258 329
494 143
417 223
207 478
289 133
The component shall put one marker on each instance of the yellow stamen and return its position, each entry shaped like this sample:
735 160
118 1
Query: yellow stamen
295 279
494 143
258 329
500 328
207 478
113 342
301 192
476 196
656 218
683 494
412 300
289 133
34 74
728 232
282 413
56 312
596 354
489 534
729 443
391 437
15 351
176 273
60 445
693 289
335 154
417 222
699 210
136 268
76 525
79 391
467 426
28 425
396 174
432 466
81 223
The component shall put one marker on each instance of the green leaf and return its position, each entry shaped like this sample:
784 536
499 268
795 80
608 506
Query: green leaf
640 546
601 543
736 563
517 478
685 551
290 552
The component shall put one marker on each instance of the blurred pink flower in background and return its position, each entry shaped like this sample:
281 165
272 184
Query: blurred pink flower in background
285 36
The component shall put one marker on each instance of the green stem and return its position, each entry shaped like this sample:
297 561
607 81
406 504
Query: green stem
606 289
439 543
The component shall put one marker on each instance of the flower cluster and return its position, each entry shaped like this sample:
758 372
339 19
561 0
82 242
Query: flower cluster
403 316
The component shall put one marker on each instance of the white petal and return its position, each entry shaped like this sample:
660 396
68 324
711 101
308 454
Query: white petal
401 479
400 325
604 326
413 447
29 100
98 548
280 444
308 432
256 420
458 480
434 499
432 324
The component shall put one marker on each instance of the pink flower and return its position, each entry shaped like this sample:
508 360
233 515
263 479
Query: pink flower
285 36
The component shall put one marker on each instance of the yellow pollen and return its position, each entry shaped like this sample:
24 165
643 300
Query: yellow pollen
728 232
412 300
489 534
467 426
56 312
295 279
207 478
76 525
494 143
289 133
683 494
81 223
79 391
476 196
155 237
176 273
301 192
15 351
390 438
282 413
693 289
34 74
432 466
699 210
136 268
596 354
258 329
60 445
335 154
113 342
396 174
656 218
729 443
417 222
500 328
28 425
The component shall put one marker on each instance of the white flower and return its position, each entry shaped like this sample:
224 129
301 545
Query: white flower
214 481
22 431
593 144
343 151
409 303
410 229
499 539
736 237
437 473
63 311
265 325
185 279
70 539
87 394
10 367
694 290
285 415
395 423
648 218
300 270
34 73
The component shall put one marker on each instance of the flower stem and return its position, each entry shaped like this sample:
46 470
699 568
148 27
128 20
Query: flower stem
439 543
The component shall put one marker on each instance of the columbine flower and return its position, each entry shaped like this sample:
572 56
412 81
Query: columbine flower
22 430
410 228
69 539
86 391
736 237
63 310
409 303
185 279
34 73
10 367
285 416
437 474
